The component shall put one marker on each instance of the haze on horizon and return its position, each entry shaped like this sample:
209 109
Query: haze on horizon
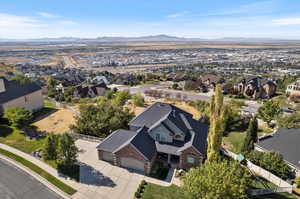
191 19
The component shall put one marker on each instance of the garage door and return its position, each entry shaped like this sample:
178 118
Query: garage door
132 164
107 156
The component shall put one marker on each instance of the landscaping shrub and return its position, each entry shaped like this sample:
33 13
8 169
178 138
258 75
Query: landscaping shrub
137 194
270 161
297 181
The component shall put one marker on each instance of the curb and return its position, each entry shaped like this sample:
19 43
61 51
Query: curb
37 177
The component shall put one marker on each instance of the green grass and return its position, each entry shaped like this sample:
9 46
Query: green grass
47 109
53 180
15 138
260 184
263 131
153 191
235 141
282 99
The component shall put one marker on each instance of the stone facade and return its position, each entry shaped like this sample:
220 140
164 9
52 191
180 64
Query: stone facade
255 90
190 152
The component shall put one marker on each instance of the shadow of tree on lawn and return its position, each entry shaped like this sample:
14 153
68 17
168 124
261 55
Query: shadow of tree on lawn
5 131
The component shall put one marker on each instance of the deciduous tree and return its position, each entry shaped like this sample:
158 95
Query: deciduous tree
269 111
102 119
219 180
67 151
50 147
18 116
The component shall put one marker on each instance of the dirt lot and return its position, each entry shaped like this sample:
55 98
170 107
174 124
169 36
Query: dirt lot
58 122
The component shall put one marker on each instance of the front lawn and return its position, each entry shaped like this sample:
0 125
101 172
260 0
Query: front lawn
15 138
153 191
234 141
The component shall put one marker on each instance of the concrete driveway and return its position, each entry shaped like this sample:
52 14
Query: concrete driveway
100 179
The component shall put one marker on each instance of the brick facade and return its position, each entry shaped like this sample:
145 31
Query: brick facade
190 152
130 151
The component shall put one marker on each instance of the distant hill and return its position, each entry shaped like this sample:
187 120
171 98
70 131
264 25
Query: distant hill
156 38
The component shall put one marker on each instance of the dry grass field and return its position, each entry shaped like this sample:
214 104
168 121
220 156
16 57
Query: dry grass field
181 105
58 122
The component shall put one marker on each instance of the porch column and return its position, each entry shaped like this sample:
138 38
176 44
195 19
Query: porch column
169 159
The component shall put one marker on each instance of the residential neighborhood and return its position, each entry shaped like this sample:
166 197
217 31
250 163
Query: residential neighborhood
150 99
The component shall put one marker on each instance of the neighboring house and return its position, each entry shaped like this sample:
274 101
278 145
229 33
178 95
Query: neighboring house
293 89
211 80
90 91
99 79
256 87
126 79
15 94
193 85
285 142
161 132
227 88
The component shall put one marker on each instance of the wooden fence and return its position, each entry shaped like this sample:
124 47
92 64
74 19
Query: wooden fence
62 105
85 137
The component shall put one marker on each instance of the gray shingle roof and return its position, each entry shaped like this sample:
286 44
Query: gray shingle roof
14 90
195 132
285 142
156 112
144 143
115 140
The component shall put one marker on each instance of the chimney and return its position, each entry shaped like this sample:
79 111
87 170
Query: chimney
2 85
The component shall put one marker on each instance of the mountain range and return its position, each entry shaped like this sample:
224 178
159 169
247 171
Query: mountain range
153 38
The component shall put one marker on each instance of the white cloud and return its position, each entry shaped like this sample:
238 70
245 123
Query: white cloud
176 15
287 21
67 22
7 20
48 15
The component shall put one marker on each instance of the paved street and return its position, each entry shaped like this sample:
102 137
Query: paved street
16 184
251 106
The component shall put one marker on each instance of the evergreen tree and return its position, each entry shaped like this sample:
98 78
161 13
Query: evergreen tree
251 136
216 125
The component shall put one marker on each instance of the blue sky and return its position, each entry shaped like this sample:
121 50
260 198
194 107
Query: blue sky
188 18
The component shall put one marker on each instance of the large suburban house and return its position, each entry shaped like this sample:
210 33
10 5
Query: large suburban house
161 132
293 89
90 91
256 87
285 142
16 94
211 80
